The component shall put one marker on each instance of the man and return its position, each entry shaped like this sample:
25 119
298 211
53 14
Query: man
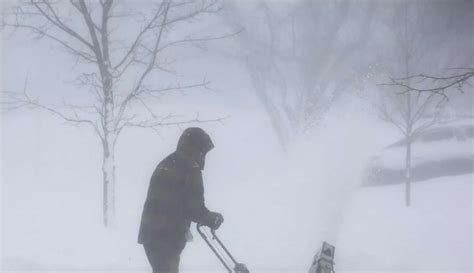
175 199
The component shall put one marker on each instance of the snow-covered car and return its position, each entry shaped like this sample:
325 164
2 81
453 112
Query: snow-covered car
443 150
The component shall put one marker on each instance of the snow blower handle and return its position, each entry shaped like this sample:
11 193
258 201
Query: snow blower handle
218 248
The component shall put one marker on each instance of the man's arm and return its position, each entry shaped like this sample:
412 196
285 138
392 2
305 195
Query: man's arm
195 204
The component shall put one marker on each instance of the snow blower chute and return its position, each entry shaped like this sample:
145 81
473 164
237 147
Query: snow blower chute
323 261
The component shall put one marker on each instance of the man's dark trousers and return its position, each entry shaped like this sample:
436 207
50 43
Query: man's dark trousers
163 256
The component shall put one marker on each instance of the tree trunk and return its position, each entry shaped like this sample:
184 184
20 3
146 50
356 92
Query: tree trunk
110 135
108 165
108 171
408 173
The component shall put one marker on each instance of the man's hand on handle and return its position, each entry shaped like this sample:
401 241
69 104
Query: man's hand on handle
215 220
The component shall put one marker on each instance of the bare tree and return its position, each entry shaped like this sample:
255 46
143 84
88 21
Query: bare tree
436 84
93 33
301 56
450 47
454 26
411 113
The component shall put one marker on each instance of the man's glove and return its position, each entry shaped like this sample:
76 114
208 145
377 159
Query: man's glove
215 220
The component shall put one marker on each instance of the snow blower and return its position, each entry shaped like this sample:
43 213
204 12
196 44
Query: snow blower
222 253
323 261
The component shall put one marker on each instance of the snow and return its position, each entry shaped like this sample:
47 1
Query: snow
434 234
278 208
423 152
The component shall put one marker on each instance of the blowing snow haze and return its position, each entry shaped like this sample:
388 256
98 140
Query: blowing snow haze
346 122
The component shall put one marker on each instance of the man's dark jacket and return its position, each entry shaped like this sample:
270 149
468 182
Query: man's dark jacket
176 193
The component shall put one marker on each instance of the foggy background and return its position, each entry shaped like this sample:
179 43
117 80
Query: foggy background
297 88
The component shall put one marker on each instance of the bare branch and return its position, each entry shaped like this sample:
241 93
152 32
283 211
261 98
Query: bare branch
50 14
92 32
206 7
422 108
150 66
104 31
424 126
43 33
390 118
78 8
153 92
441 84
165 122
17 100
200 39
176 87
138 38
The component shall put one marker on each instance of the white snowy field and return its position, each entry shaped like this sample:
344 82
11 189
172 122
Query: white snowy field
434 234
278 208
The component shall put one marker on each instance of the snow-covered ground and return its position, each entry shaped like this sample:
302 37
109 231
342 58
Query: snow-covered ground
278 208
425 152
434 234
